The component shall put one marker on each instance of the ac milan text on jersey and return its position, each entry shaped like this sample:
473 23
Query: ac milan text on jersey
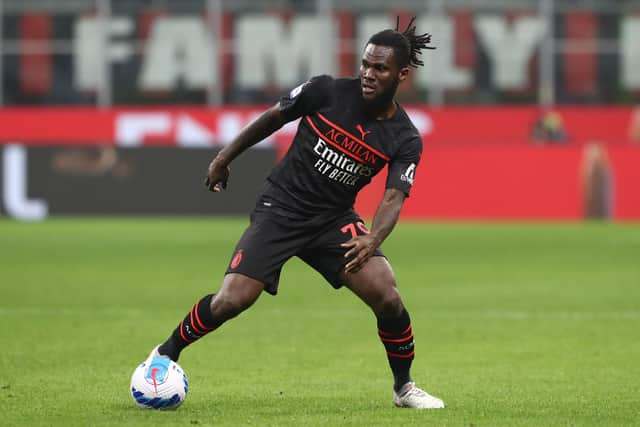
329 160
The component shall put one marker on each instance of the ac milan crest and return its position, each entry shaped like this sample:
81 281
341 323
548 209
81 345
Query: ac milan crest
237 259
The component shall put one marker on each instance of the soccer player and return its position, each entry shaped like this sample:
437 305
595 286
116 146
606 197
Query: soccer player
349 130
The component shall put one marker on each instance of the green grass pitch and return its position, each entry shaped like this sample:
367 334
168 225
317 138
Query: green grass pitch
516 325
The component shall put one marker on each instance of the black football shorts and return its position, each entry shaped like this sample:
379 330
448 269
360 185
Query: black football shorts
271 239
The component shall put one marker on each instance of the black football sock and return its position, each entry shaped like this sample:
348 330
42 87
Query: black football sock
397 337
196 324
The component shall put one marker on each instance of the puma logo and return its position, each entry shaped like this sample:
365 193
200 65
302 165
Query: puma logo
363 132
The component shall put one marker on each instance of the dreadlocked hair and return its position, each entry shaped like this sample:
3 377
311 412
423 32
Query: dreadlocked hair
407 45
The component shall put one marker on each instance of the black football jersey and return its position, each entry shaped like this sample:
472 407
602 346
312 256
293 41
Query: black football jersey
338 149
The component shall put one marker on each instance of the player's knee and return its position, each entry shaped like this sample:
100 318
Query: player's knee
389 305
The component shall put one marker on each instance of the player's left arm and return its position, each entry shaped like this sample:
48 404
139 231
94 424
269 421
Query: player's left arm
385 218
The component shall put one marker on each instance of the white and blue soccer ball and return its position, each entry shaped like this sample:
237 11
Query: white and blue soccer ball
159 383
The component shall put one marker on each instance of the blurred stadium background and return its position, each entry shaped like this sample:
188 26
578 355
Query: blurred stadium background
526 311
526 107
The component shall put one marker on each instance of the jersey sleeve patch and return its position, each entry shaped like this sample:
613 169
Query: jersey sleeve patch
409 174
402 168
308 97
296 91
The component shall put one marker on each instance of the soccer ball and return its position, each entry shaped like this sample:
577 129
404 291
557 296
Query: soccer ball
159 383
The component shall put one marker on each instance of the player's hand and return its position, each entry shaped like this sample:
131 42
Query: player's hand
217 176
360 248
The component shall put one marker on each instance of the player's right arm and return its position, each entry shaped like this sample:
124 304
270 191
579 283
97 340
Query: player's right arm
308 97
266 124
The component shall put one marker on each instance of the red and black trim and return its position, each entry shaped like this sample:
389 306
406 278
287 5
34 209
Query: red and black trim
345 141
197 323
350 135
397 337
398 344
